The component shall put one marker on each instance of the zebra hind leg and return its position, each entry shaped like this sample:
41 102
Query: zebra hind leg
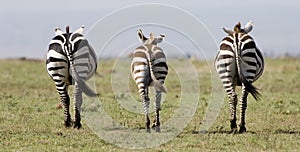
232 109
77 97
146 103
156 122
243 107
65 101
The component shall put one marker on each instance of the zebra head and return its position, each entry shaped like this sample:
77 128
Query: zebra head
151 40
237 28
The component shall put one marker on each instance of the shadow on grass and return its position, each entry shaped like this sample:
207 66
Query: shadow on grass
279 131
220 132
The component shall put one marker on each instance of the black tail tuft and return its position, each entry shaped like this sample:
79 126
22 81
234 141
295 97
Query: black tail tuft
84 88
250 88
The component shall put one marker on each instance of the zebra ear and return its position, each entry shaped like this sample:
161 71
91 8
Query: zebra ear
58 31
141 36
80 30
248 27
228 31
160 38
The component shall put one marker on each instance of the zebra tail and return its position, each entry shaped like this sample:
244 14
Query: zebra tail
156 83
81 83
248 86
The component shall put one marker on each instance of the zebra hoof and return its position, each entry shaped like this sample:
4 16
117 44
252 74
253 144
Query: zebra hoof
148 130
157 128
68 123
77 125
233 124
242 129
233 131
153 126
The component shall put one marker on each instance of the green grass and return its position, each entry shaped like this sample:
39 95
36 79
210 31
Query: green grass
30 121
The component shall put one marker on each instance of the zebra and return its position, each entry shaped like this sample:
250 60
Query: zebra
149 68
239 62
71 61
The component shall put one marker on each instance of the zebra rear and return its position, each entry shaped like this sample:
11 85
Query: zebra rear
239 63
71 61
149 67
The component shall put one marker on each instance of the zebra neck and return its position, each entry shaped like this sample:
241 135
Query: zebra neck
149 50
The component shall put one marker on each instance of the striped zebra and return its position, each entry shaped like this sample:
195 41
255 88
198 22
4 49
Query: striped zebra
149 67
239 63
71 61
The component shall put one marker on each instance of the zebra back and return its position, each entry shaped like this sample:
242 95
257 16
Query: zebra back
149 63
239 54
71 57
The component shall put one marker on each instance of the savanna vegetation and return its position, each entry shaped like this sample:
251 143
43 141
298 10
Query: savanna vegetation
31 121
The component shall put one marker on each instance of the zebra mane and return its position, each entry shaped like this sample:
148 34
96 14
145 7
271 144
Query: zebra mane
237 28
68 33
67 29
151 36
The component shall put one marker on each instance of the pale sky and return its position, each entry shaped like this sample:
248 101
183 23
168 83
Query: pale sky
27 26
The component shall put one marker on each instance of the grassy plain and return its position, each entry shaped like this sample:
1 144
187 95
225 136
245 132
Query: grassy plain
30 121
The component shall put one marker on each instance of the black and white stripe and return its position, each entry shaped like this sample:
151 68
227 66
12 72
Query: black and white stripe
149 67
239 63
71 61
